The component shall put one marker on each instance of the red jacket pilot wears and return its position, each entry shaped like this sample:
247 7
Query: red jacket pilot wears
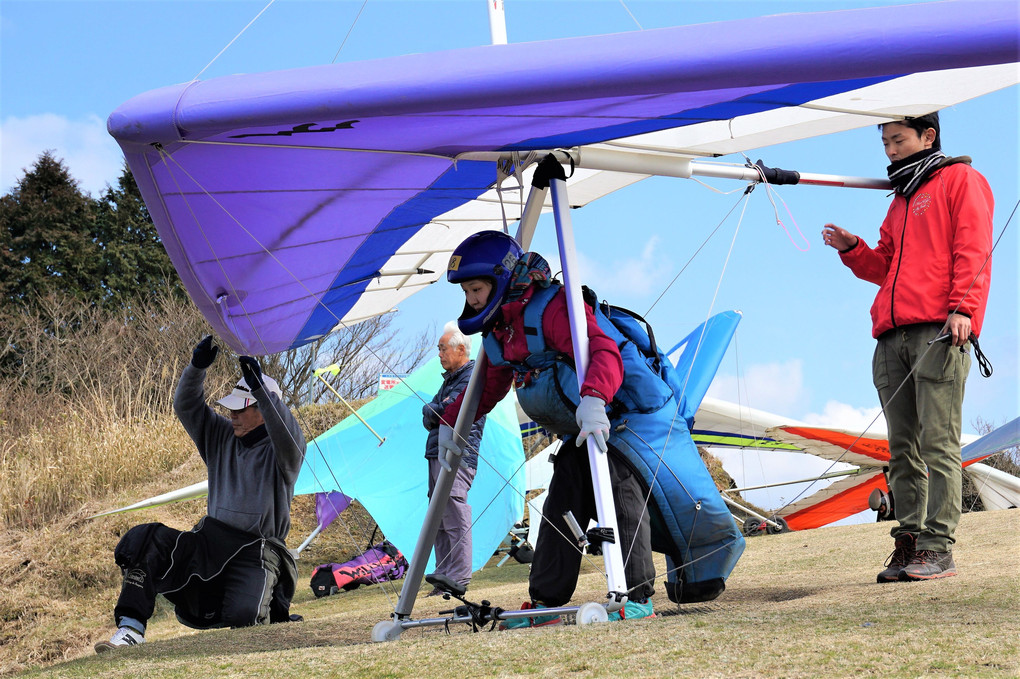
605 368
931 248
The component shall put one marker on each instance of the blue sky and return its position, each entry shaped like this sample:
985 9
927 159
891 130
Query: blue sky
804 347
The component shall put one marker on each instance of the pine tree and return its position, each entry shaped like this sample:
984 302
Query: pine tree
56 239
134 263
46 243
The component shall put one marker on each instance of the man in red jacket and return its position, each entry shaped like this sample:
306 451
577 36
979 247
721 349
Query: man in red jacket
933 268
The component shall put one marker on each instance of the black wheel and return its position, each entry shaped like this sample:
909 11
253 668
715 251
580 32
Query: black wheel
753 526
783 526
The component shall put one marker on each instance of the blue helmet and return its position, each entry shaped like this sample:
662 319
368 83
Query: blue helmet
489 255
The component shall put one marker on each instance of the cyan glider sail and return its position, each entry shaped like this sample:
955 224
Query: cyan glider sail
391 479
292 201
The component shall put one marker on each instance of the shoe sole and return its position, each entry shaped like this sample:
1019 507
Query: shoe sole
905 577
895 578
106 646
643 617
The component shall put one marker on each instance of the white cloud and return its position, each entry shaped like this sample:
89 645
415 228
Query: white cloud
773 387
88 151
627 277
845 416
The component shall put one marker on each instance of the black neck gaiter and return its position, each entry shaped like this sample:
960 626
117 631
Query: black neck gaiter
907 174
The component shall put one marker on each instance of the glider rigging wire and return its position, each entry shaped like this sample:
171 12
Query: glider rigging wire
687 561
349 31
640 27
769 191
199 74
691 259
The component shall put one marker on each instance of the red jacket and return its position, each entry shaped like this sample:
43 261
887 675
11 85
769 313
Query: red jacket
933 252
605 367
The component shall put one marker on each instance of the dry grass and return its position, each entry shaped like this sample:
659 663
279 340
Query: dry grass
60 581
56 468
798 605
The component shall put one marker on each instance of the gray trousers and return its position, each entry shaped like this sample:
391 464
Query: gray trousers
453 541
925 420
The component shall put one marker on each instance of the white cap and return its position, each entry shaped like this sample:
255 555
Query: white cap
241 397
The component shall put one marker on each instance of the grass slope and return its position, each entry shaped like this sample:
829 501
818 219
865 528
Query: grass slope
798 605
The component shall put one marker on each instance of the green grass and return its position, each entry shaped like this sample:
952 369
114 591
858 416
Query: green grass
798 605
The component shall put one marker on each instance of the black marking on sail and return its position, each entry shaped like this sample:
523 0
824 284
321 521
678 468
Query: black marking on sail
304 128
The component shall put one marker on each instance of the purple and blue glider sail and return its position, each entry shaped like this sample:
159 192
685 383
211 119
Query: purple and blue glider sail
293 201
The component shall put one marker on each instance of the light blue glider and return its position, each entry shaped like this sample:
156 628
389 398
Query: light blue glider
391 479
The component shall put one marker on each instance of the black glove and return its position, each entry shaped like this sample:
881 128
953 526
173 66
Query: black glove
251 372
204 353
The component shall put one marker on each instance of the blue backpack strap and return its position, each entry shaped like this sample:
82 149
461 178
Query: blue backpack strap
534 310
493 349
533 313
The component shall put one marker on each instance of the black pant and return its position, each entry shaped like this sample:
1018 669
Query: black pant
237 595
557 558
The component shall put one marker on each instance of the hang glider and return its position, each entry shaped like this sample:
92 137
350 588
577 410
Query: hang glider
998 490
391 479
722 424
294 201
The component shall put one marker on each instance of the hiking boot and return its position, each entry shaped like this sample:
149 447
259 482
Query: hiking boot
632 610
125 636
900 557
435 592
928 565
535 621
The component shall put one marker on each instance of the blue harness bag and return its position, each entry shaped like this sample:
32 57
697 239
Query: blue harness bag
690 523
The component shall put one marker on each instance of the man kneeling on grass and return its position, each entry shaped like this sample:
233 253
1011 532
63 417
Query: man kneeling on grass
233 568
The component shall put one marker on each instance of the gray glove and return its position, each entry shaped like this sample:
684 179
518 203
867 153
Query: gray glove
593 421
447 446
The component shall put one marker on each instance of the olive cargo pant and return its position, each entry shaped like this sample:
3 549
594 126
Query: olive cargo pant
925 419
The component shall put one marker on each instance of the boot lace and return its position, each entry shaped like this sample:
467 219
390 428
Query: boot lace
925 556
901 555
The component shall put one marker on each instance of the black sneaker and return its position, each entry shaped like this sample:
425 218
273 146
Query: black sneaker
928 565
900 557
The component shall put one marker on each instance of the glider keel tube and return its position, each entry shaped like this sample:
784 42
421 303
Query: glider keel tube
633 163
684 167
662 165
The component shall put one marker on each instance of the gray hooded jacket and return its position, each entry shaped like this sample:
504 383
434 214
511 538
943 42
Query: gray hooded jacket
250 486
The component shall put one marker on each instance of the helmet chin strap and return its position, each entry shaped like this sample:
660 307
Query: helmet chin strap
469 313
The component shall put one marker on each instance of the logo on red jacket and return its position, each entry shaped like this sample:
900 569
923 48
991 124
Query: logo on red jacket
921 204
